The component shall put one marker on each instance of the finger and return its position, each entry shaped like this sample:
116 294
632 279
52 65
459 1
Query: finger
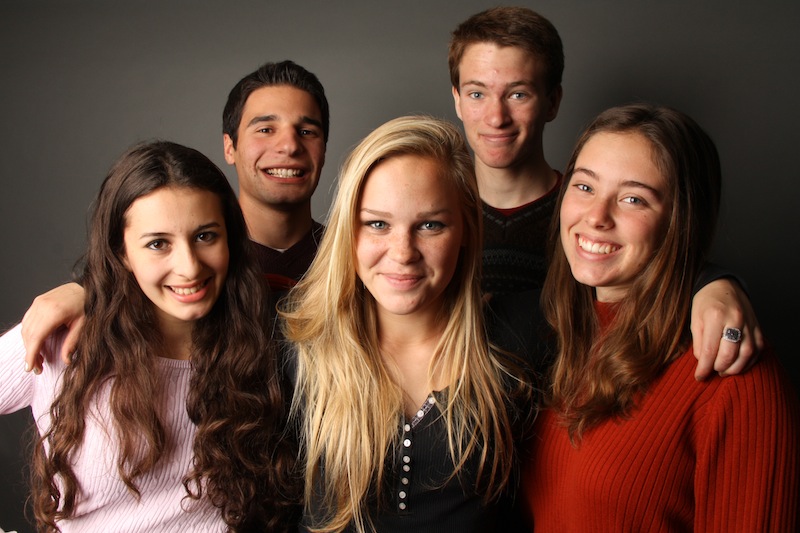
761 344
33 345
729 354
750 348
71 340
704 350
744 360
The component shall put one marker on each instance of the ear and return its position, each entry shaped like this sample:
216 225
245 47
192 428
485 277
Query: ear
555 102
228 149
457 102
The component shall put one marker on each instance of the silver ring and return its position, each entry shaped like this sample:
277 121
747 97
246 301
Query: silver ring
732 334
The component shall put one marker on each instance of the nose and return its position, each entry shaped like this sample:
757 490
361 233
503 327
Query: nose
403 248
186 263
598 213
288 142
496 113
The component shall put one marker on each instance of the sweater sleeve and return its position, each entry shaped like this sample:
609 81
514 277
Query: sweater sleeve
16 385
748 473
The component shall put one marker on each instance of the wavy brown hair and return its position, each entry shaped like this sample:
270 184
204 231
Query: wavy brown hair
241 462
598 373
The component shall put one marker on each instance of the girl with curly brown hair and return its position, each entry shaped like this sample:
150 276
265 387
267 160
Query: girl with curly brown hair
170 415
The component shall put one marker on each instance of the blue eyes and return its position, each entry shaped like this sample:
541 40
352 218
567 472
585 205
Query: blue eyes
429 225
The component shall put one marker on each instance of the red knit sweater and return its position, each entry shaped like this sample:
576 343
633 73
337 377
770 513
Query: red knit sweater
719 455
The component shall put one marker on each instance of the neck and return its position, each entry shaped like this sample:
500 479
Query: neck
276 228
506 188
177 339
407 347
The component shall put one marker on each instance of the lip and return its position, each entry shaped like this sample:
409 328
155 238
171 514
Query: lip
596 248
277 171
402 281
191 297
498 138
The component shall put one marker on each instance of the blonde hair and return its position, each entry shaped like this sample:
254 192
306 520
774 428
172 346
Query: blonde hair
349 405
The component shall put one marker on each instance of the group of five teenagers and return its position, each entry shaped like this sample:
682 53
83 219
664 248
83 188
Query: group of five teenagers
506 65
408 415
169 416
630 441
408 411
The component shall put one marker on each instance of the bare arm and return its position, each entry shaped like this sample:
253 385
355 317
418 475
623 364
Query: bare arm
62 306
719 305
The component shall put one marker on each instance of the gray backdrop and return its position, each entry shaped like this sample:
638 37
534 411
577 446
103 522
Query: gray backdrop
84 80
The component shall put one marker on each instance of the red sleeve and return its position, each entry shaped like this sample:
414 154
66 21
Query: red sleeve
748 472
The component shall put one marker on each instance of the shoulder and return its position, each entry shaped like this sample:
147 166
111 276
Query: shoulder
762 400
21 388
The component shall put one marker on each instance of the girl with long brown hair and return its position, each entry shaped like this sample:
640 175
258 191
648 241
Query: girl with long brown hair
631 441
170 415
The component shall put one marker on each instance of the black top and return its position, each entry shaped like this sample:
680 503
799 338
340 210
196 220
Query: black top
420 494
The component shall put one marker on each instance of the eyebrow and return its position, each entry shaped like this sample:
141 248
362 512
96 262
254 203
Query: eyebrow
626 183
272 118
421 214
516 83
198 229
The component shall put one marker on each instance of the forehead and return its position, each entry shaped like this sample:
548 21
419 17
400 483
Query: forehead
172 207
282 102
411 182
624 155
484 59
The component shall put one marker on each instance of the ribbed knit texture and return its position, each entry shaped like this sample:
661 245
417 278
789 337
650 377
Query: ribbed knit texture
720 455
105 504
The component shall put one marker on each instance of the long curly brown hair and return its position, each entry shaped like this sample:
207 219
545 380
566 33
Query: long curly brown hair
243 461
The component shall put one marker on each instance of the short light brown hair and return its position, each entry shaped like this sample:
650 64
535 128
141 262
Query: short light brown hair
510 26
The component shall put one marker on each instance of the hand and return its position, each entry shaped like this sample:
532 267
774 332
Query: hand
720 304
62 306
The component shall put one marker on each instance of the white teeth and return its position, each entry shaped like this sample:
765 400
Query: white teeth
596 248
185 291
284 172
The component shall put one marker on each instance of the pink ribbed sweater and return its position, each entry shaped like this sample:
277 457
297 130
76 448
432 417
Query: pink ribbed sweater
105 504
719 455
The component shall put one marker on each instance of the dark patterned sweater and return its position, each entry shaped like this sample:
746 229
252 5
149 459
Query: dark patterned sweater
515 245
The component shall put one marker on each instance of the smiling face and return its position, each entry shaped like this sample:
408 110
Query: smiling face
409 235
504 104
280 147
176 247
614 213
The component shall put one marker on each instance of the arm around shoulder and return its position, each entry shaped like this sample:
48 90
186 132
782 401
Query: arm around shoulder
62 306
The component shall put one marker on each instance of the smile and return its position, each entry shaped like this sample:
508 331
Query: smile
596 247
186 291
402 280
285 172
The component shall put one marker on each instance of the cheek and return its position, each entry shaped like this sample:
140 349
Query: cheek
568 215
363 252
